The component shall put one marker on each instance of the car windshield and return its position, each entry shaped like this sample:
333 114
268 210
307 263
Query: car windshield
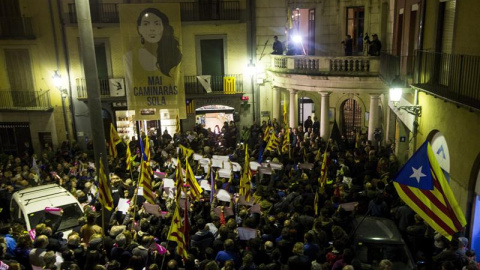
370 255
69 219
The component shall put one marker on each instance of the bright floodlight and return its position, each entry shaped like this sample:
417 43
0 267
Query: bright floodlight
395 94
57 79
297 38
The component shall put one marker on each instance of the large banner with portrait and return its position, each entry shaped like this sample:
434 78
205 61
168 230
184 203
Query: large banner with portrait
152 42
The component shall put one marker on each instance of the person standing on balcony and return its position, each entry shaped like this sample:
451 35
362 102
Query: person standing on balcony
277 46
374 46
348 45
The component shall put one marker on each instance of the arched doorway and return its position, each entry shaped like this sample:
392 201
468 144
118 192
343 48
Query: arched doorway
351 120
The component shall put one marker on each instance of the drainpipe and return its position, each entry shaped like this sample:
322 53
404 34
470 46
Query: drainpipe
251 52
422 25
67 68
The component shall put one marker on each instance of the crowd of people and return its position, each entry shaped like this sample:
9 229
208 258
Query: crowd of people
299 224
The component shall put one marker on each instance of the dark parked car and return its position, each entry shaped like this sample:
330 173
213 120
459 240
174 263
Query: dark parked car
376 239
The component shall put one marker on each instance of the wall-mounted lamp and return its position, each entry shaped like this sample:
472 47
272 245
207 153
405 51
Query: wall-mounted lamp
395 96
58 82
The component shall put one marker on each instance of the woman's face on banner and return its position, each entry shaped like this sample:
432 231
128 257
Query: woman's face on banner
151 28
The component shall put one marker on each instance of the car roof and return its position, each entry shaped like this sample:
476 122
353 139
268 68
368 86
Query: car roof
37 198
377 230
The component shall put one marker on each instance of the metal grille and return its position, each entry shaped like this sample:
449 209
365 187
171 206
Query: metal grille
351 117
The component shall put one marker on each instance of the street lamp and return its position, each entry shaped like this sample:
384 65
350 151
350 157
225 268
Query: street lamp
395 94
58 82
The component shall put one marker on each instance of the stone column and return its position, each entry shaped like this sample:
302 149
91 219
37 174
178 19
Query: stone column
276 104
324 121
373 116
293 121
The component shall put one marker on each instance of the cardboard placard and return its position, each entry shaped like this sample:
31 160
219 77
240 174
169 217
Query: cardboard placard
168 183
217 163
224 173
236 167
153 209
276 165
349 206
246 233
123 205
226 210
205 184
222 158
255 209
224 196
241 200
254 165
305 166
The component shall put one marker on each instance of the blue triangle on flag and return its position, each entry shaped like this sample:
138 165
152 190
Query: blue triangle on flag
417 171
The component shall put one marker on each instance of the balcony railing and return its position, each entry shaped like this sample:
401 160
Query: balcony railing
12 100
455 77
192 86
82 88
100 13
16 28
219 11
326 65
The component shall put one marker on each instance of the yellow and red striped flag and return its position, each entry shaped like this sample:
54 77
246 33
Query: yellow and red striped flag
272 143
323 171
422 185
195 189
176 233
113 141
179 181
128 158
146 182
266 133
286 141
105 194
178 128
245 180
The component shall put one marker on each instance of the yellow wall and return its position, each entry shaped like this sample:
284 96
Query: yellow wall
43 63
236 45
459 126
466 39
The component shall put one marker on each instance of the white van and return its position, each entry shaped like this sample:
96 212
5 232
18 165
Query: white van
28 207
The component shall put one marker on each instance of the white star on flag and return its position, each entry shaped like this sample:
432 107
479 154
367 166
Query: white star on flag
417 174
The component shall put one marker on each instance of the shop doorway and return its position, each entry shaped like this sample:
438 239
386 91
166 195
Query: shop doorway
214 116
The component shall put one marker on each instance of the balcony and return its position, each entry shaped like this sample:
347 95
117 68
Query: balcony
450 76
12 100
105 92
325 65
16 28
100 13
219 11
193 87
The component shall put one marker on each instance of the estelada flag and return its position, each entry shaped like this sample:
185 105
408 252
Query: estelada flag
422 185
176 233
